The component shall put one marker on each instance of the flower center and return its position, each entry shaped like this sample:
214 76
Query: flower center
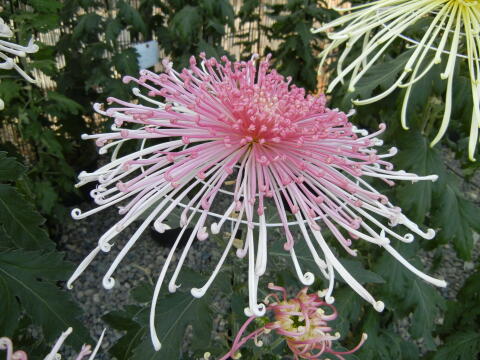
262 108
296 321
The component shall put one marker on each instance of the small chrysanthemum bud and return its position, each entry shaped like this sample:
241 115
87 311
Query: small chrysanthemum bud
308 335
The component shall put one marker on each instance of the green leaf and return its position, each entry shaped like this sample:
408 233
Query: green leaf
186 22
6 242
10 168
381 75
46 196
25 276
124 320
142 293
395 274
64 104
21 222
409 294
131 16
416 156
173 314
362 275
87 24
383 343
9 89
307 262
348 305
457 218
113 29
9 308
427 302
46 6
304 32
464 312
460 346
226 11
126 62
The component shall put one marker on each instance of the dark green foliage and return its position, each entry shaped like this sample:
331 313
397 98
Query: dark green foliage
296 55
21 222
460 331
174 312
32 111
30 268
192 27
28 282
124 320
10 168
460 346
457 218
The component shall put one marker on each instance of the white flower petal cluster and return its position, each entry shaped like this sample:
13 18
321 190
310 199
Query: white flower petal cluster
10 50
453 28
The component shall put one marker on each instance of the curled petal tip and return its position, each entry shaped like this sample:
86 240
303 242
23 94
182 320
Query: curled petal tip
308 279
379 306
259 310
247 312
76 213
430 234
108 283
161 227
197 293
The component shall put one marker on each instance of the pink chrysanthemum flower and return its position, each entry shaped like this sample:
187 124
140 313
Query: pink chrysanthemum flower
302 321
6 344
285 152
7 49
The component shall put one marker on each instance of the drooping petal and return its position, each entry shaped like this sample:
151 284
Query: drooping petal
452 24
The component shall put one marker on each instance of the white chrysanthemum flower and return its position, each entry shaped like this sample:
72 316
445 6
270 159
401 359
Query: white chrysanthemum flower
453 26
7 49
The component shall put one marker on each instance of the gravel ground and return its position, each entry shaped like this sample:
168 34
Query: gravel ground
143 264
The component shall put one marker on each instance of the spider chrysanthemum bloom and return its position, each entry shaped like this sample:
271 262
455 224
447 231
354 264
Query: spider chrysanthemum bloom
282 153
453 34
302 321
7 345
8 49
